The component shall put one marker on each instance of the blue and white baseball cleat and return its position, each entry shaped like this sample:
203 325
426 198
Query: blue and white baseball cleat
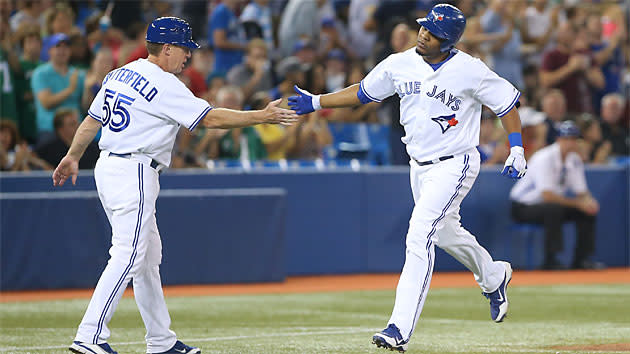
390 338
88 348
181 348
498 298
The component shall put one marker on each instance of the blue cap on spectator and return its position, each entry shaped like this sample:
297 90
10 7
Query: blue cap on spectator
568 129
337 54
57 38
328 22
301 44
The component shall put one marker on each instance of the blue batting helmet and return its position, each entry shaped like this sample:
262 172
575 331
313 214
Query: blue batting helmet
568 129
171 30
445 22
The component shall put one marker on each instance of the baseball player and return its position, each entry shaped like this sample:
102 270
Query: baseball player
442 91
140 108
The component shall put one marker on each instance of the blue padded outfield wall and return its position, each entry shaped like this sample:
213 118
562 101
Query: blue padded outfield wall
245 226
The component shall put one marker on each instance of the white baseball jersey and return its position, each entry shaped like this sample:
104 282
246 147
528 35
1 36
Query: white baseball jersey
547 172
141 108
440 109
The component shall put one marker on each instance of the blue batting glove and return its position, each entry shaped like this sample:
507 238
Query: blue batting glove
515 165
305 102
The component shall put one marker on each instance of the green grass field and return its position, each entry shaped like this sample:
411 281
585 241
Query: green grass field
453 321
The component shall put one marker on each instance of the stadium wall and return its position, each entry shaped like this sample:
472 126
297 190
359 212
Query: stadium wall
257 226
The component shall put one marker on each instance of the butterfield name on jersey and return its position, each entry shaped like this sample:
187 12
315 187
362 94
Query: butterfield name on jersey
134 80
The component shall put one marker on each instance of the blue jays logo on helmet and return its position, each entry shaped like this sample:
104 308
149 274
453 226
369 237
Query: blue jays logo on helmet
568 129
445 22
171 30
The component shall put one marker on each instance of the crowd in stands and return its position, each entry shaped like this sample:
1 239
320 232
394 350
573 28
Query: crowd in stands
570 59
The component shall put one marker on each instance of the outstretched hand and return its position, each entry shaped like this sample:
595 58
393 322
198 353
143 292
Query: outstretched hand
276 115
68 167
303 102
515 165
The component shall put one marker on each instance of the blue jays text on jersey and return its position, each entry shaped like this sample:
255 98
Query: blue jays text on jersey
134 80
414 88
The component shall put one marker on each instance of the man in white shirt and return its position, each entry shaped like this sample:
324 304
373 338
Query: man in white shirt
540 198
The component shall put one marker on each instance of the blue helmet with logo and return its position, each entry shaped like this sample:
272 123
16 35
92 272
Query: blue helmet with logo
568 129
171 30
445 22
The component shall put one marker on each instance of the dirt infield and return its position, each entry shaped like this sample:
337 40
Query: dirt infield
615 347
306 284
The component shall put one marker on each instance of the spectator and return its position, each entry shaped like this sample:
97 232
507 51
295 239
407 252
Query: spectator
299 20
254 73
138 32
198 70
608 55
612 128
569 68
257 15
15 155
501 17
9 63
593 148
59 19
365 113
311 136
227 36
401 38
305 51
534 129
239 143
66 122
361 39
28 14
539 198
31 44
540 22
554 107
102 64
215 83
56 85
335 70
292 72
80 53
276 138
330 38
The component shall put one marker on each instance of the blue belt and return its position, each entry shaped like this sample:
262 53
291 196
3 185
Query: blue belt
154 164
430 162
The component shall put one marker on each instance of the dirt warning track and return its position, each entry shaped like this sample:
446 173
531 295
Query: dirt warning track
325 283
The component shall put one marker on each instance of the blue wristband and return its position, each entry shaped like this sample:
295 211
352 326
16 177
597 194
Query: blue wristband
515 139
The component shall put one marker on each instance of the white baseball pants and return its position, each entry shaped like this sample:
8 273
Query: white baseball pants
438 190
128 191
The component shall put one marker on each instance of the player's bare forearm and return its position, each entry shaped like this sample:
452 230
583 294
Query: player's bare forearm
225 118
511 121
343 98
228 118
82 138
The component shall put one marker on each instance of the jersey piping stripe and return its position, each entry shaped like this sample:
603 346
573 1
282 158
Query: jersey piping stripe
362 88
131 260
94 116
429 242
505 111
203 114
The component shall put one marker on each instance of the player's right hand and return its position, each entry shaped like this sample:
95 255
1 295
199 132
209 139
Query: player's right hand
515 165
67 167
276 115
303 102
